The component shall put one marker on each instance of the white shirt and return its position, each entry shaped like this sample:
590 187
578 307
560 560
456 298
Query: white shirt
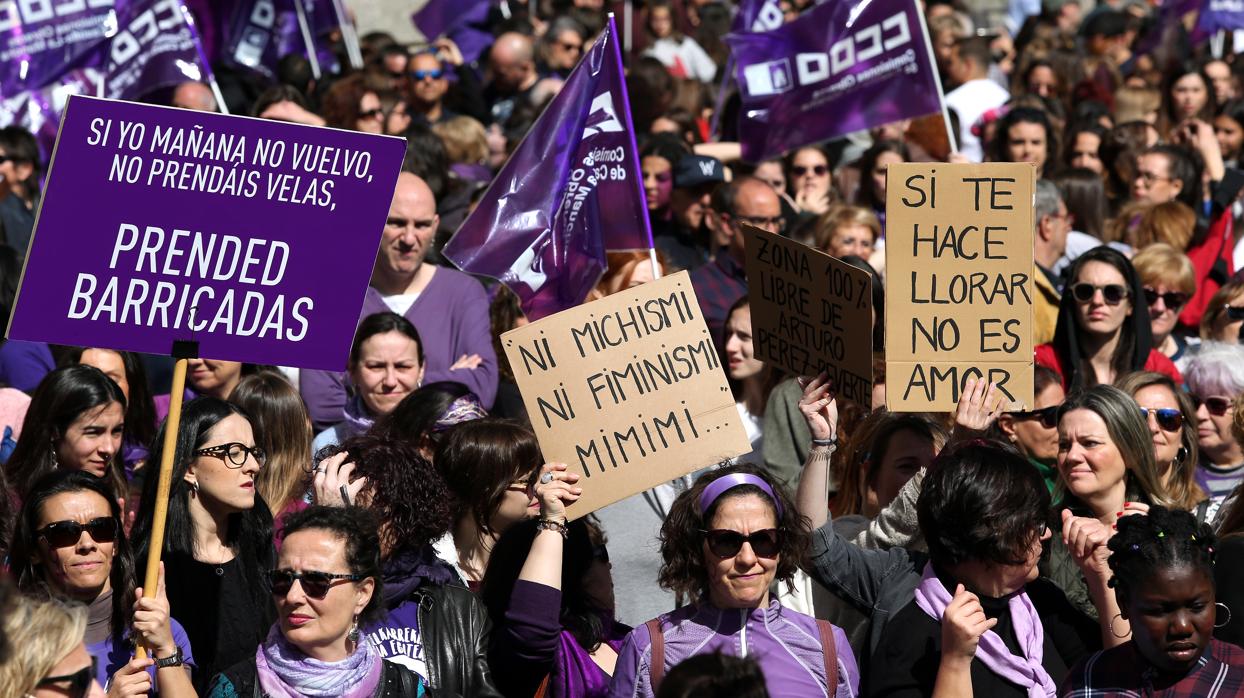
401 302
970 100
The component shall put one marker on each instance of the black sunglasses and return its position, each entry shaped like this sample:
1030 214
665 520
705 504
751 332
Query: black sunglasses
371 113
63 534
1171 299
79 681
818 170
1047 415
725 543
314 584
1234 312
1216 406
233 453
1113 294
1168 419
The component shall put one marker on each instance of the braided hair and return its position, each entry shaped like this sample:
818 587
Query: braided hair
1163 539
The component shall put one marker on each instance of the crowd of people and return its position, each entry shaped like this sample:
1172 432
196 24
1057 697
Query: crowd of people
392 529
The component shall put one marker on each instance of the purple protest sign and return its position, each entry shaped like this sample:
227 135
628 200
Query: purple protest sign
840 67
40 41
254 238
1220 15
571 190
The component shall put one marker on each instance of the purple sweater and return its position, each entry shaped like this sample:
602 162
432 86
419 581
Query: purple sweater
786 643
451 315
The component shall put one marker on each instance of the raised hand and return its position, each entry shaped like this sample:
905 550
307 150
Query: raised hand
818 406
332 475
558 492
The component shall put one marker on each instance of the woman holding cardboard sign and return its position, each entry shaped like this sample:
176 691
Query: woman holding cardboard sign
1103 330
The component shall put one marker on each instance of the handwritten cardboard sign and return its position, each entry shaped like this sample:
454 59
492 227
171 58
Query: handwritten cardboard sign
254 238
628 390
959 287
810 313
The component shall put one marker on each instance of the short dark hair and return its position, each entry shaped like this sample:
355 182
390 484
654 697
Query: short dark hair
357 528
479 460
975 49
279 93
1182 165
21 145
415 417
681 541
404 491
1163 539
981 501
715 674
380 323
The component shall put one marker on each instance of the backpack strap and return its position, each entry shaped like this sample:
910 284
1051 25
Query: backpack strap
656 668
543 688
829 649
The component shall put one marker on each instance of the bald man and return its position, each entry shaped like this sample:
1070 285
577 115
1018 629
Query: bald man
194 95
449 308
512 67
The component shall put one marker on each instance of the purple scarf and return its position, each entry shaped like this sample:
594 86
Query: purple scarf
285 672
358 419
1027 672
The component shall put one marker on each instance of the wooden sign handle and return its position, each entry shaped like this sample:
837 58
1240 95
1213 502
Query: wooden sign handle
160 515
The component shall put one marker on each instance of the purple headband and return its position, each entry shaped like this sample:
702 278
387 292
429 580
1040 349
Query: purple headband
728 482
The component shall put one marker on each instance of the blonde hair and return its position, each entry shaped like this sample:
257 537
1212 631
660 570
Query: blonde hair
1171 222
465 139
282 428
840 215
1136 104
1160 263
41 633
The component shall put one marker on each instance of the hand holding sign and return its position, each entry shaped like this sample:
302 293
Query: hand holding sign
818 406
556 490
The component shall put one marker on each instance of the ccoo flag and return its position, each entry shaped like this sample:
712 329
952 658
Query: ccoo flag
838 68
570 191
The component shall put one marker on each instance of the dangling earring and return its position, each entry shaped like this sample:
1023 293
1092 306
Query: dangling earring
194 488
55 461
354 631
1228 610
1181 454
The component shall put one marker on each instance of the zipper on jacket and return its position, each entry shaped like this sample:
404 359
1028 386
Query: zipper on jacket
743 632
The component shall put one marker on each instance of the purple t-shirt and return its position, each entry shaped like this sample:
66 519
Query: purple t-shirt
111 655
397 638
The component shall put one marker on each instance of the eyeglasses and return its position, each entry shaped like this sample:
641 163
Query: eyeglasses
79 681
63 534
234 452
1113 294
818 170
1217 406
1047 415
314 584
1168 419
434 74
1150 178
777 222
725 543
1171 299
371 114
1234 312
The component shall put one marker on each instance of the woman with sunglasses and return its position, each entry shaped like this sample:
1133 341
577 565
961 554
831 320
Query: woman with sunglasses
809 180
1103 326
46 657
218 535
432 625
326 585
550 594
1223 320
75 421
1168 280
1035 432
1168 412
1106 470
1216 381
725 541
69 544
351 103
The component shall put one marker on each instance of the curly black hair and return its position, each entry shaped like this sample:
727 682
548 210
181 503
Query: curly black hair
1164 539
358 528
682 543
403 490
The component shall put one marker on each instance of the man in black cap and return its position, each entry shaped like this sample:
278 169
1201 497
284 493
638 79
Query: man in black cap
685 241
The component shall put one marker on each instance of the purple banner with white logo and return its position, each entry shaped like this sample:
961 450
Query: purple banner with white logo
254 238
41 41
1221 15
464 21
571 191
252 31
758 16
154 47
838 68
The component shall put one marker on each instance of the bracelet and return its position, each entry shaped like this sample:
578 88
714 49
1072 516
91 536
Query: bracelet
551 525
826 443
174 660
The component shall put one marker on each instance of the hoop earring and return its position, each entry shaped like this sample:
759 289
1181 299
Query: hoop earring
1112 632
1228 610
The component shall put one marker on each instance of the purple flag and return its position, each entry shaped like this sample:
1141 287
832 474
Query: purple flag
571 191
251 31
464 21
841 67
1225 15
758 16
154 47
41 41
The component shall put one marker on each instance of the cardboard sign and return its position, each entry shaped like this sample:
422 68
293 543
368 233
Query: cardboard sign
628 390
959 287
254 238
810 313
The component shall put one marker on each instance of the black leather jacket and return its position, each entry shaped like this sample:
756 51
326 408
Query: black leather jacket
455 629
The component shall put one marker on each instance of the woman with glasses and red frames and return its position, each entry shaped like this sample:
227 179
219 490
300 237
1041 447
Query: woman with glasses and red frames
218 536
326 586
1103 326
725 541
1169 413
1168 280
1216 381
46 656
70 545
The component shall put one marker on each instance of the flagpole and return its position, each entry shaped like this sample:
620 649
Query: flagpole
721 98
635 165
305 29
937 79
349 36
207 68
628 19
